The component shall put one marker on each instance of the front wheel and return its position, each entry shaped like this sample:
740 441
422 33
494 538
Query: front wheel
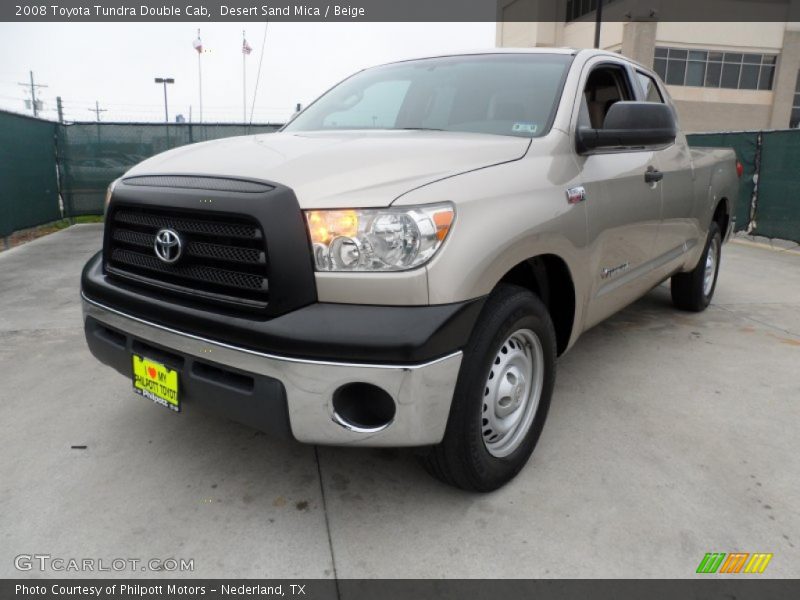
693 290
502 395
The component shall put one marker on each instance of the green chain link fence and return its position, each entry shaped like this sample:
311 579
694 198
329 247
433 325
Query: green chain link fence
92 155
778 204
769 201
28 175
39 159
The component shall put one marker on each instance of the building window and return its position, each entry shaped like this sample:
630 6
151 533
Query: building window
707 68
794 120
577 8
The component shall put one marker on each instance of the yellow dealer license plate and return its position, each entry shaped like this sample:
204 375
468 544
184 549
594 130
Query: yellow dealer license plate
157 382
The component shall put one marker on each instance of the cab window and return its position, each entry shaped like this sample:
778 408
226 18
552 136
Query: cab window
606 85
650 88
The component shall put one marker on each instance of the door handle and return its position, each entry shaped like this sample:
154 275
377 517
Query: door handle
653 175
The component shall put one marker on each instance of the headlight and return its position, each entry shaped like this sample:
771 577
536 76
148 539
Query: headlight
378 239
109 191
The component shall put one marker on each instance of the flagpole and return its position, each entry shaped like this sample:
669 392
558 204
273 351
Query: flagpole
200 77
244 79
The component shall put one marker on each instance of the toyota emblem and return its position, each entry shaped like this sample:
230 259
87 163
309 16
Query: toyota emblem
168 245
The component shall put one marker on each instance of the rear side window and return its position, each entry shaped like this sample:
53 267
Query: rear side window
650 87
605 86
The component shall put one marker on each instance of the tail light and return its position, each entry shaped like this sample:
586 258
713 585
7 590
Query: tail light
739 169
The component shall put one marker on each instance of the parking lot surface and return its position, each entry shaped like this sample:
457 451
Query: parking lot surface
670 435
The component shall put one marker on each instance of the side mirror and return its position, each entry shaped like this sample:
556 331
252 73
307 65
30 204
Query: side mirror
630 124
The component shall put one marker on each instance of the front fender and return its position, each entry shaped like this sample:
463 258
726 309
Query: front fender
504 216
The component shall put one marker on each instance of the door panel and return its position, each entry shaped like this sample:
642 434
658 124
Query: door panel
623 210
679 228
624 213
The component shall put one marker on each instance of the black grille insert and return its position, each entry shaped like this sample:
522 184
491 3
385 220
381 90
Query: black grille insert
224 256
187 225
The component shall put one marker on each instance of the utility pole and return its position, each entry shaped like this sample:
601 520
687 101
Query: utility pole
96 110
165 81
33 87
60 107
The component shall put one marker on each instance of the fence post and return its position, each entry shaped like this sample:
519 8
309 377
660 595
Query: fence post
58 131
751 222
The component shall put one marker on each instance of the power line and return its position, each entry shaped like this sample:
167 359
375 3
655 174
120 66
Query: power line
82 103
152 106
73 112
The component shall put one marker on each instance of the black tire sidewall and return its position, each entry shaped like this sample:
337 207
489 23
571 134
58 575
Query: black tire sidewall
714 235
687 288
512 309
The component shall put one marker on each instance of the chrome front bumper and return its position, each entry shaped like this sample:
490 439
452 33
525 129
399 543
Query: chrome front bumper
422 393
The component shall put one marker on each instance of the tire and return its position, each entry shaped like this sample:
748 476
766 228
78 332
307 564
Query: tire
506 376
693 291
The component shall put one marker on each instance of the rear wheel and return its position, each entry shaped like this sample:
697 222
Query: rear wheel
502 394
693 290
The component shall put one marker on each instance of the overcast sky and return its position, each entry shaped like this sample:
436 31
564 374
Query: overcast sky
115 63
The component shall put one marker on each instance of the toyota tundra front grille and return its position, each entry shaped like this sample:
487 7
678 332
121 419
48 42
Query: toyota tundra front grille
208 256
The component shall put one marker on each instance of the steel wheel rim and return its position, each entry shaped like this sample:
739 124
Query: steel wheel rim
711 267
512 392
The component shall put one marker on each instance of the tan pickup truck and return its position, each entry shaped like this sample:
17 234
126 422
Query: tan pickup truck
402 264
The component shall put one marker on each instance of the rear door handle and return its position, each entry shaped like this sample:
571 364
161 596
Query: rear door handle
653 175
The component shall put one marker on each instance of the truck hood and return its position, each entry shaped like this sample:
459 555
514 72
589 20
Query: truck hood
343 168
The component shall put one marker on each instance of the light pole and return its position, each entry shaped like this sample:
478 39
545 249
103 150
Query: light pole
165 81
598 22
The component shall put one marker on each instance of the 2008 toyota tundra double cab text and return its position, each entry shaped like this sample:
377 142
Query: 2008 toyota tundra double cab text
402 264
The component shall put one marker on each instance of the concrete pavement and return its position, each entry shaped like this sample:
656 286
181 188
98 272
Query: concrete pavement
670 435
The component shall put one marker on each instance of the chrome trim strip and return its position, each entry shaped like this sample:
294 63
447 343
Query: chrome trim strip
339 420
306 361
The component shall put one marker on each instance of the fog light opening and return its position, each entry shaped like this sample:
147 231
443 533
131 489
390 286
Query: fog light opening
363 407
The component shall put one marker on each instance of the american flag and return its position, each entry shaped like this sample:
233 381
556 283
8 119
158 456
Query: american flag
246 49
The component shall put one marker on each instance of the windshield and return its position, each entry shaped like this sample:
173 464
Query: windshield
503 94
